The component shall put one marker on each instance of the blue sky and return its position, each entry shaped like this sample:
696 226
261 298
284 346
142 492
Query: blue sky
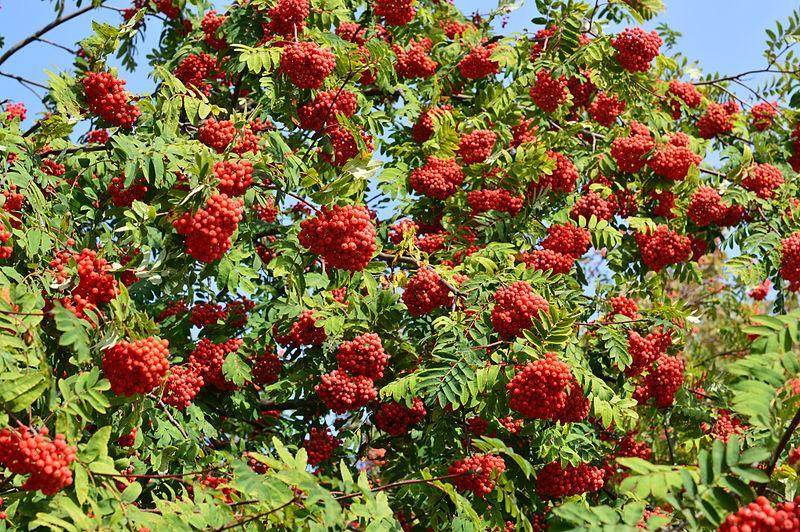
723 35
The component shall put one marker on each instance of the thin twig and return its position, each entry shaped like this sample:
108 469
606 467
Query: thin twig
743 74
787 435
24 80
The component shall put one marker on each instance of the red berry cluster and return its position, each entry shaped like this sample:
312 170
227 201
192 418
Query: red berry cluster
546 389
437 178
423 129
663 247
304 331
106 97
763 114
5 251
425 292
267 369
555 480
629 152
478 63
26 452
477 473
606 108
204 314
288 17
724 426
582 89
97 136
681 91
307 64
343 236
706 207
549 93
208 357
237 312
319 446
665 202
267 213
399 231
717 119
523 132
183 384
494 199
127 440
210 25
476 147
662 382
395 12
516 306
136 367
342 392
593 204
453 28
759 293
15 110
762 179
567 239
321 112
546 259
636 49
623 306
208 231
790 260
217 135
761 516
626 447
173 309
544 39
396 419
364 355
197 70
415 62
50 167
644 350
124 197
168 8
344 146
234 176
674 159
564 177
96 285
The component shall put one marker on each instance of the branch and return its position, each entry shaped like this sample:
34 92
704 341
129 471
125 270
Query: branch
240 522
24 80
743 74
35 36
409 482
779 449
76 149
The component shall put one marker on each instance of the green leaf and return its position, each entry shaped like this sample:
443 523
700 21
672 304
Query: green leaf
97 446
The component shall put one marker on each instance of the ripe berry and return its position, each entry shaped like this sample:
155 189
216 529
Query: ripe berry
762 179
210 25
629 152
438 178
415 61
790 260
363 356
763 114
395 12
523 133
539 389
342 392
124 197
343 236
606 108
761 516
673 160
592 204
666 202
544 39
549 93
321 112
477 473
96 285
546 259
724 426
623 306
98 136
288 17
216 135
344 146
498 199
646 350
718 119
14 111
477 146
307 64
515 308
563 178
196 71
555 480
478 63
208 231
425 292
636 49
136 367
304 331
204 314
759 293
183 384
208 357
662 382
680 91
106 97
423 129
127 440
267 369
663 247
396 419
319 446
705 207
567 239
234 176
582 89
25 452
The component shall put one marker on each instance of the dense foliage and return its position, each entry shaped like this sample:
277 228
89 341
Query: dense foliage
370 265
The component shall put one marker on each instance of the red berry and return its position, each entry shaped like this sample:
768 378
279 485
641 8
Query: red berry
762 179
606 108
321 112
396 419
234 177
363 356
106 97
136 367
438 178
549 93
629 152
307 64
395 12
705 207
546 259
498 199
15 110
342 392
662 382
680 91
25 452
636 49
183 384
663 247
208 231
555 480
477 146
478 63
210 25
672 160
763 114
563 179
208 358
790 260
718 119
516 306
592 204
267 369
567 239
343 236
124 197
319 446
425 292
288 17
477 473
623 306
415 62
304 331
